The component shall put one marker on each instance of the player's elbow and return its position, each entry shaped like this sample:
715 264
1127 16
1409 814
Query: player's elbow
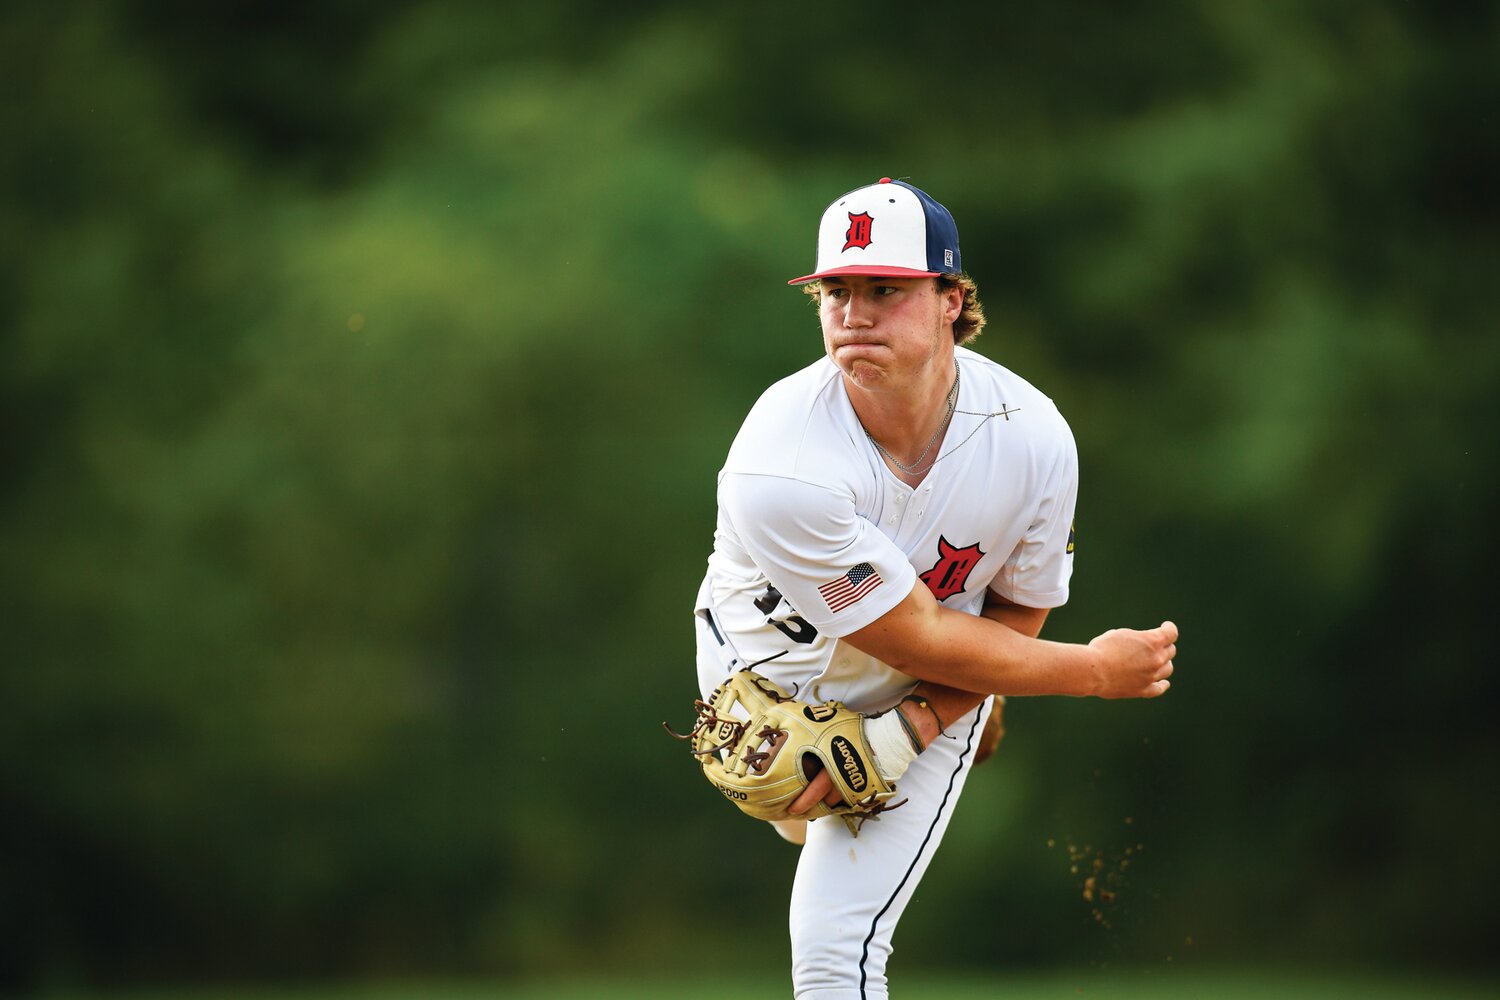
907 637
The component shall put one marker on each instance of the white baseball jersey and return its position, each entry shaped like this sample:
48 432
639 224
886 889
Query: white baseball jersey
816 538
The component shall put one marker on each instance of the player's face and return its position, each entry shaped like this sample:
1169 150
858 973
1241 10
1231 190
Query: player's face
887 333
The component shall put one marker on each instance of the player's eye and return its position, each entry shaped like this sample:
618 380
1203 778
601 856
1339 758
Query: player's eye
886 289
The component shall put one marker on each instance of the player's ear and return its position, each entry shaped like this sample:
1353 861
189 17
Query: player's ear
952 295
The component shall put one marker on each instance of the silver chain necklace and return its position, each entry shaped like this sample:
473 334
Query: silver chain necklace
911 470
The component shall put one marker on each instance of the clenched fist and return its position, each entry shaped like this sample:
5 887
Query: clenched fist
1132 664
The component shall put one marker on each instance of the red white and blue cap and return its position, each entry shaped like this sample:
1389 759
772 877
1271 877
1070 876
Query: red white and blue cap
889 229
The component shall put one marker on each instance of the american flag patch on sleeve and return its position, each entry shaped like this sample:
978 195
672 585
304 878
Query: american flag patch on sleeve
850 587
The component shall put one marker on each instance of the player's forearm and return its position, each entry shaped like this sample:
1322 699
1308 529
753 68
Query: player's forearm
932 643
979 655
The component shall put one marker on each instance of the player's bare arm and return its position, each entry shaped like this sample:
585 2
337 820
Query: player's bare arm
984 655
922 638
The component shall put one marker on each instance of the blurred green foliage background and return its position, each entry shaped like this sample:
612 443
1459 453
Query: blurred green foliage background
364 374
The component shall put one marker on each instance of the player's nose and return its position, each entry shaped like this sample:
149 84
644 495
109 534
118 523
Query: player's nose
859 313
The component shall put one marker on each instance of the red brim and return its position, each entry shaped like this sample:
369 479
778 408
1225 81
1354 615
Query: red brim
873 270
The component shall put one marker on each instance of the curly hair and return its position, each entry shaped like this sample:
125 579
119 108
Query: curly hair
970 322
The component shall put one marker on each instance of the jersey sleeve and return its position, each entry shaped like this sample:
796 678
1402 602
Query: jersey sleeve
832 565
1038 571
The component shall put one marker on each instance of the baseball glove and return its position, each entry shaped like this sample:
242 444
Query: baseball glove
994 731
761 747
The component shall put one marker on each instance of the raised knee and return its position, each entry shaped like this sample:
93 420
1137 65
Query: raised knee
793 830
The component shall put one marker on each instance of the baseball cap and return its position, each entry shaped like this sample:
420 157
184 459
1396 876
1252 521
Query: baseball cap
889 229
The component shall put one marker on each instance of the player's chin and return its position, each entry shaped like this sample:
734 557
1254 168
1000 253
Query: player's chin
862 369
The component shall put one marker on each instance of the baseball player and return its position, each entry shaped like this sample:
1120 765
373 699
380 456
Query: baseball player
895 522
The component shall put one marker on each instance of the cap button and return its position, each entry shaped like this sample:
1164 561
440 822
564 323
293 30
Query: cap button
885 180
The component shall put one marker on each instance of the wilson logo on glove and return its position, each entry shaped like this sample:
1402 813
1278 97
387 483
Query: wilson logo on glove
854 768
819 713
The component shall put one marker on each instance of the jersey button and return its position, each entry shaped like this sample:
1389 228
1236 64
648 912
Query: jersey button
900 497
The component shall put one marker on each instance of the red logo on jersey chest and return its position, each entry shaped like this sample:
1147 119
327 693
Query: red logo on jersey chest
858 233
951 572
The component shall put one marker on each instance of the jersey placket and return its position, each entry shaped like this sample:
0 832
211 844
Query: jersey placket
895 508
905 508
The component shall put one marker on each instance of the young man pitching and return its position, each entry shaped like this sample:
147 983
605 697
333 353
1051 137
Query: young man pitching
895 522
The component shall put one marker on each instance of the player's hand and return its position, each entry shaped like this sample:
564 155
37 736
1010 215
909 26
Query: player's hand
920 716
1132 664
821 787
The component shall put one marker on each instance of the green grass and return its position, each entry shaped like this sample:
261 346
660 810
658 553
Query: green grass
1160 983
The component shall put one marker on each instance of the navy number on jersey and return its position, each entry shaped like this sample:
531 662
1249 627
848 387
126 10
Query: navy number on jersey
794 627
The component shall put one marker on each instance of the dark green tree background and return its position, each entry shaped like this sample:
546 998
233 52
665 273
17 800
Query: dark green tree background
364 373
